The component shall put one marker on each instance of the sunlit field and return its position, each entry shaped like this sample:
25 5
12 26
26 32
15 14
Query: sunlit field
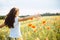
42 28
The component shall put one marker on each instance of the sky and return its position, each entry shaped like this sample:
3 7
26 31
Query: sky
30 7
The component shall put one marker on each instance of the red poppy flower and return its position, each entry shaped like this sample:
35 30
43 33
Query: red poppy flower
48 28
33 26
43 22
29 24
31 18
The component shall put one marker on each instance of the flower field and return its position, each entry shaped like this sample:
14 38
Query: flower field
42 28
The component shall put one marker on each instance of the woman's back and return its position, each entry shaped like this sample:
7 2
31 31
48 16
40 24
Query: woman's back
15 32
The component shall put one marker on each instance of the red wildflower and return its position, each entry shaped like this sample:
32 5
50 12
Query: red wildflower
48 28
29 24
33 26
44 22
31 18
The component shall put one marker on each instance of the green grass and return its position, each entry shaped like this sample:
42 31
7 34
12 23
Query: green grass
46 28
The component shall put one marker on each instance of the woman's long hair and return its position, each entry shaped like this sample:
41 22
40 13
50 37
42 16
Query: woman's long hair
10 18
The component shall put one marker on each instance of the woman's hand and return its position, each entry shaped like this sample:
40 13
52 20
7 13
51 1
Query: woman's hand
36 16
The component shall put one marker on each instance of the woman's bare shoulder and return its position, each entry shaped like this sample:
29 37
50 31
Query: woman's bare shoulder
2 25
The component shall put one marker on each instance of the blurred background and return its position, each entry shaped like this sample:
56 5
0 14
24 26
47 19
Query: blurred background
30 7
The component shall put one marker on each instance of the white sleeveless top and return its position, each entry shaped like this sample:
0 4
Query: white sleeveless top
15 32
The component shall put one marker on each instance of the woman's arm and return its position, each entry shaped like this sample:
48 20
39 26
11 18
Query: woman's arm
2 25
26 18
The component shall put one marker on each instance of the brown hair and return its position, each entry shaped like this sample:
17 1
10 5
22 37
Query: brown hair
10 18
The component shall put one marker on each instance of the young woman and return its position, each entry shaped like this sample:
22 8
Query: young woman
13 22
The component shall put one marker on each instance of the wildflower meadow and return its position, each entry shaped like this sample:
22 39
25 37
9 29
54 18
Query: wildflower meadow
41 28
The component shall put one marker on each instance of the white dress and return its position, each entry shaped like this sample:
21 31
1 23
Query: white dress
15 32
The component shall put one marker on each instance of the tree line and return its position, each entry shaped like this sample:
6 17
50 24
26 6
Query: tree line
44 14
